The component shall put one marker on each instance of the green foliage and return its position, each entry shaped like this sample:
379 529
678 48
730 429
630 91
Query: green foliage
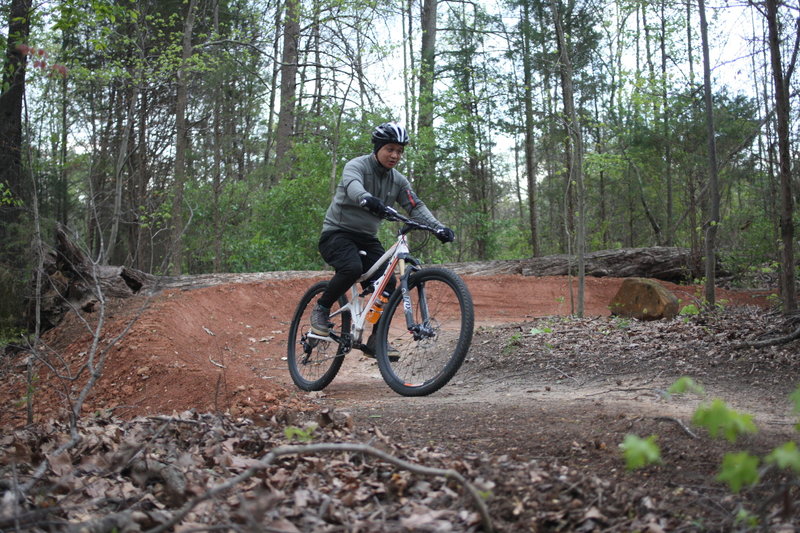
738 470
7 198
30 391
786 456
621 322
719 419
689 310
305 434
795 398
746 518
686 384
639 452
513 343
125 56
11 334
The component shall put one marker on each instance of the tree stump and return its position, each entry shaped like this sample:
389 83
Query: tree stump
72 280
644 299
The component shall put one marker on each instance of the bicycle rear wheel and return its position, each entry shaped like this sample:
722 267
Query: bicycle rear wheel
429 357
313 363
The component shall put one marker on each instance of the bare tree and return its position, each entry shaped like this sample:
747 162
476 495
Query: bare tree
181 139
288 69
575 169
713 186
530 154
781 83
426 140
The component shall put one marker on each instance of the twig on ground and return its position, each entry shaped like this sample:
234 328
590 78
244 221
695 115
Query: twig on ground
775 341
562 373
681 424
631 389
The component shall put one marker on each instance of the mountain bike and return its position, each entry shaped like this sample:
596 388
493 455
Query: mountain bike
428 319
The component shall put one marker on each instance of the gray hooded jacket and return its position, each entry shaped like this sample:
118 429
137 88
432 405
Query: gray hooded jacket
362 177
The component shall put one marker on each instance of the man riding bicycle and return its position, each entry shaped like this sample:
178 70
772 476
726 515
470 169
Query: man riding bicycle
369 184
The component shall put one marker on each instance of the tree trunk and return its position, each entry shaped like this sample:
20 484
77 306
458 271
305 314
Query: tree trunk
408 65
426 143
713 188
574 131
11 98
122 159
787 281
530 162
271 132
181 141
286 115
665 128
13 198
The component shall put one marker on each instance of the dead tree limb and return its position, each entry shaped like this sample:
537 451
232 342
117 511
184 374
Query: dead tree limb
775 341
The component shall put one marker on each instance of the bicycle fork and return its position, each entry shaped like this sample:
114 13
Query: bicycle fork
422 330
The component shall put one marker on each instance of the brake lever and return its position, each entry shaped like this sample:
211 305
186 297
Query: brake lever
391 214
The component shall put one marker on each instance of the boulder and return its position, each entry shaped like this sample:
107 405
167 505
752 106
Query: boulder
644 299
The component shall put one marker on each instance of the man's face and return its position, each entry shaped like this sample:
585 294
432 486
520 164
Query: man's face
389 154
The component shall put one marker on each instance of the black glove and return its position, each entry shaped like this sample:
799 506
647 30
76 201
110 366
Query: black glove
445 234
374 206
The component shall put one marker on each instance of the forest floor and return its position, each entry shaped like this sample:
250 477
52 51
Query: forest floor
197 379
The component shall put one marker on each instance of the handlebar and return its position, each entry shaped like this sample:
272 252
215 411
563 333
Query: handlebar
392 214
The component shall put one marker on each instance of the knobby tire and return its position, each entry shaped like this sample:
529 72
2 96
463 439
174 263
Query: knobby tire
427 364
315 371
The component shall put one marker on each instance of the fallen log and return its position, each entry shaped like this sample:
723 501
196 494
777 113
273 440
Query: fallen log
659 262
74 280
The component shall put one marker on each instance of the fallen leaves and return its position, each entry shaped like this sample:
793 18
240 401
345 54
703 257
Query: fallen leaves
153 472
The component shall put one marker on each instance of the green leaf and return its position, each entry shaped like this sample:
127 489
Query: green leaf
689 310
718 419
300 434
738 470
639 452
686 384
795 397
786 456
743 516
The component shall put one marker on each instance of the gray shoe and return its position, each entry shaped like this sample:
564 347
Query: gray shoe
319 321
391 351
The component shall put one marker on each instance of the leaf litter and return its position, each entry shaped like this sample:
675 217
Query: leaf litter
136 474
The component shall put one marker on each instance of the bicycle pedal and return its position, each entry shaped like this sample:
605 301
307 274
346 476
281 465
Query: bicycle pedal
364 348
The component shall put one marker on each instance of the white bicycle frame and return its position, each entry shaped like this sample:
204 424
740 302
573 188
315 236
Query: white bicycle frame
359 306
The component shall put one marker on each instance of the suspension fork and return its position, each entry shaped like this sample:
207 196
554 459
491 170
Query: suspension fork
423 329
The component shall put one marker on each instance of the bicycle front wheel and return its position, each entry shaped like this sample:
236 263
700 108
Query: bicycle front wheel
428 356
313 363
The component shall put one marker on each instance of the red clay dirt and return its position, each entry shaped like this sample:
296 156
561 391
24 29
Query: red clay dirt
222 348
534 417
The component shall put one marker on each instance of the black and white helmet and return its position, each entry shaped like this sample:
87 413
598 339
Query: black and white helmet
389 132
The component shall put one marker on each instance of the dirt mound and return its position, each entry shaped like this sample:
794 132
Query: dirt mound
222 348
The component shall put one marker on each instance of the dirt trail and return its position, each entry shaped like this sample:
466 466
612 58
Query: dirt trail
222 347
544 411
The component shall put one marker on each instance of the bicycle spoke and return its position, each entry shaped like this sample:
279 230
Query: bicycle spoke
431 352
313 363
